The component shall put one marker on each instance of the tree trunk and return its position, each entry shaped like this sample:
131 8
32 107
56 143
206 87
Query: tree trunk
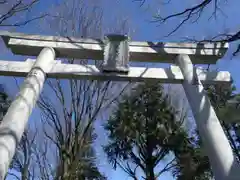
25 174
149 161
150 172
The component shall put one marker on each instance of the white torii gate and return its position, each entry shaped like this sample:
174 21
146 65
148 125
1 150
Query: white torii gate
47 48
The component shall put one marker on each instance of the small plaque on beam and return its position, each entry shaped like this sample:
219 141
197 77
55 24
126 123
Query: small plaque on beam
116 53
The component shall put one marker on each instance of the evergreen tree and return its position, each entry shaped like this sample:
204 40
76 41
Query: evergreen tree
4 102
143 131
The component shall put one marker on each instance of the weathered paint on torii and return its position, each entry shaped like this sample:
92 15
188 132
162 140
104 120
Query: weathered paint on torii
47 48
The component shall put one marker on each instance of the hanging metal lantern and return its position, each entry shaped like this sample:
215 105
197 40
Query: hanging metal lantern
116 53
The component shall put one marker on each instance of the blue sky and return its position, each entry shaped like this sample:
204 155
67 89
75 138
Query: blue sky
141 29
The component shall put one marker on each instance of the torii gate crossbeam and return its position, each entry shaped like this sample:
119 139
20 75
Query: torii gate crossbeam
222 159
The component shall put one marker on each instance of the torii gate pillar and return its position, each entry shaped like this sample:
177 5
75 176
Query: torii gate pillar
216 144
16 118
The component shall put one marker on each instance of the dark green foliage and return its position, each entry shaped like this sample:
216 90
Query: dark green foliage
219 94
4 102
143 131
192 162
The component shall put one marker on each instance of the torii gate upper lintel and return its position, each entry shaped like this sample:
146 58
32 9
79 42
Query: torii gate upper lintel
47 48
79 48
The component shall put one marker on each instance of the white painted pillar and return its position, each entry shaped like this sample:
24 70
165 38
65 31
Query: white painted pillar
16 119
220 154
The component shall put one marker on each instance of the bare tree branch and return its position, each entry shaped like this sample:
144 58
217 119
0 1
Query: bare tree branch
23 157
142 2
222 38
12 8
187 14
167 167
74 105
127 169
14 175
192 14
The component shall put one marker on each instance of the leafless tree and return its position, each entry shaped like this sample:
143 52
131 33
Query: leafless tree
31 159
70 107
11 8
192 14
23 158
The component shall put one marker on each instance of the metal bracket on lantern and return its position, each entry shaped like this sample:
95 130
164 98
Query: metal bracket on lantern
116 53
